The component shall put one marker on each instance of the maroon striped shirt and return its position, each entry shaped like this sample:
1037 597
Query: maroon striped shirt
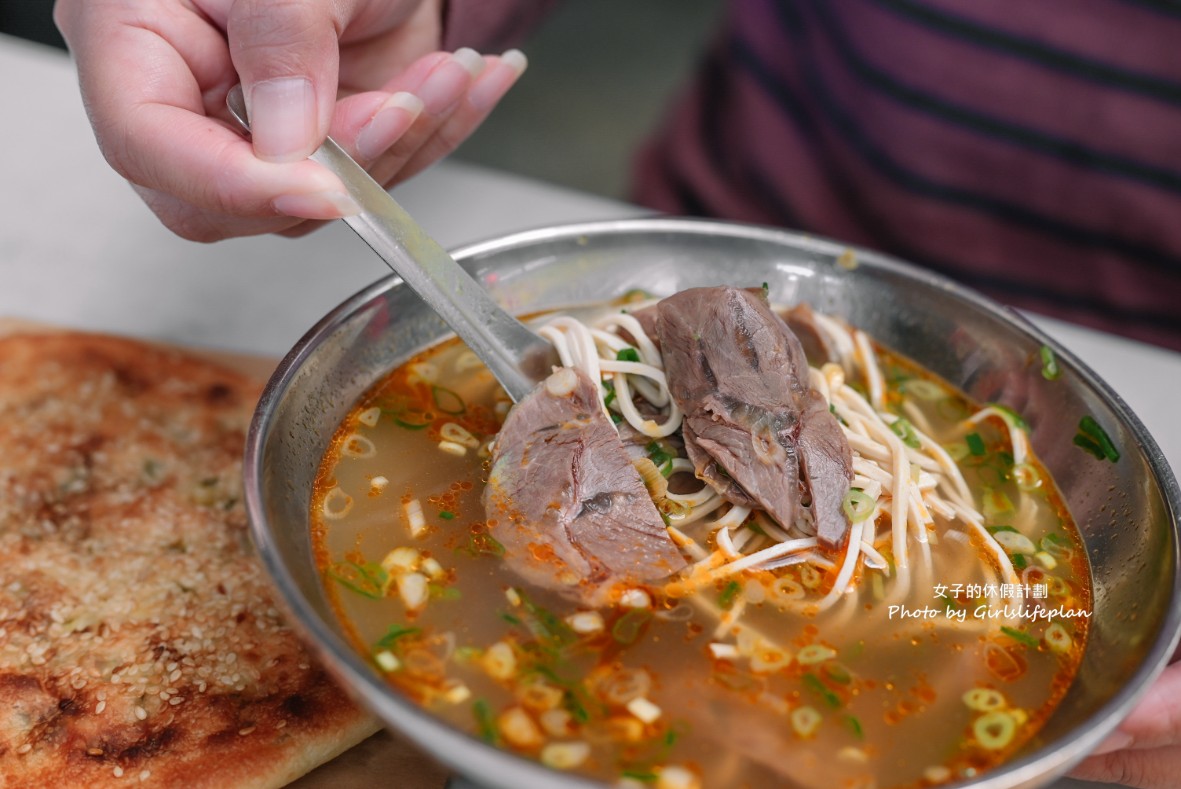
1030 149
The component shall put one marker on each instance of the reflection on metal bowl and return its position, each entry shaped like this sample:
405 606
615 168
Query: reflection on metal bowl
1127 511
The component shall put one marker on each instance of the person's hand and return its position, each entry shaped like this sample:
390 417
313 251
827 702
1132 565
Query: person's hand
155 73
1145 751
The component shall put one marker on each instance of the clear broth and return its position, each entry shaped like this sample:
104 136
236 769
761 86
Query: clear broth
891 701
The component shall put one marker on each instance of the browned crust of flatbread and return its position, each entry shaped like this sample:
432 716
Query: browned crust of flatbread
139 637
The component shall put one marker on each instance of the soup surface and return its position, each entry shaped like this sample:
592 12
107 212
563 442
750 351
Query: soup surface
926 649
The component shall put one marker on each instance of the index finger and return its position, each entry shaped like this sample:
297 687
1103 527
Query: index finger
147 105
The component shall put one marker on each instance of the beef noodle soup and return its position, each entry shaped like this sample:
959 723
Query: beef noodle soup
693 557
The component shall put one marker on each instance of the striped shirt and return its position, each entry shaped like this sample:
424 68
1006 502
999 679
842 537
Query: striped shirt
1028 148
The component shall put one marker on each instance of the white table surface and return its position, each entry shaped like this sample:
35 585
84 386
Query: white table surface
78 248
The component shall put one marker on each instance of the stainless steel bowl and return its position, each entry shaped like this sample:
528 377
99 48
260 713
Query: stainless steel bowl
1127 511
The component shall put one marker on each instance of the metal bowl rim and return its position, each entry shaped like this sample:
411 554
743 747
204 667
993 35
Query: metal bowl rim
451 745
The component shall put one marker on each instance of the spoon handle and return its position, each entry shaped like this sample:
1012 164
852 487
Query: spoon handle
514 354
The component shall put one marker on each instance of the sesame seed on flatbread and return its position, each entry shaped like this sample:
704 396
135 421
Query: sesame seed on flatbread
140 641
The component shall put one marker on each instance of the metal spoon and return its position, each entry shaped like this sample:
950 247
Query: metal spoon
514 354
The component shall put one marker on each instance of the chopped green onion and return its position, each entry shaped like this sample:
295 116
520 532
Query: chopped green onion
924 390
1058 639
610 397
543 623
995 502
446 515
957 450
485 723
467 654
1019 636
1050 369
643 776
368 579
815 684
627 355
413 419
447 401
766 290
1011 417
1026 476
512 620
726 598
394 633
975 445
636 294
575 707
659 455
815 653
616 418
994 730
1089 446
481 543
1057 546
1019 561
1015 542
628 627
857 505
854 726
441 592
805 721
1093 430
905 430
984 699
837 673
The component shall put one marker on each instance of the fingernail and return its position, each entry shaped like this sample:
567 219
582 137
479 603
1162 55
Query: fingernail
493 85
389 123
317 205
447 83
1116 741
470 59
516 60
283 119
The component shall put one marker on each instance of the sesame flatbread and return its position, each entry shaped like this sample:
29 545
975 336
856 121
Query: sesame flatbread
139 637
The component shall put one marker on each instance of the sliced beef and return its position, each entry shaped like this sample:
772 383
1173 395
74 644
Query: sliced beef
802 322
565 501
753 427
647 318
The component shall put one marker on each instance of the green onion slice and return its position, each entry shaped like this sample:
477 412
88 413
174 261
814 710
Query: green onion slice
1020 636
994 730
924 390
1011 417
447 401
905 430
629 626
394 634
1027 477
1050 369
368 580
815 684
627 355
858 505
1092 430
731 590
485 723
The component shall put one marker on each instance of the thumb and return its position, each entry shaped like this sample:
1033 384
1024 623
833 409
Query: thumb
287 55
1156 720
